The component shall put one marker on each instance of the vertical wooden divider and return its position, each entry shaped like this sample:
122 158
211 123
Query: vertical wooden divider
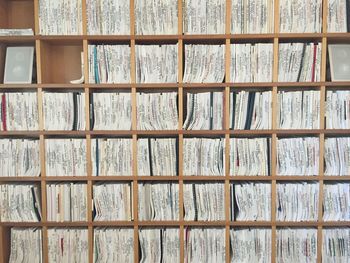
88 136
322 127
134 129
38 49
227 128
273 160
180 135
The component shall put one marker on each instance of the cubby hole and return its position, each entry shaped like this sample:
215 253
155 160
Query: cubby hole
17 14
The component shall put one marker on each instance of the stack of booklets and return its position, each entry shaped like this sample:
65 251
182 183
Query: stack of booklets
251 62
19 157
16 32
156 17
159 245
66 202
297 201
204 111
156 63
251 245
62 17
252 17
204 17
65 157
158 201
20 203
204 201
204 63
336 202
336 155
109 64
113 245
26 245
113 201
250 156
205 245
157 111
336 245
252 201
296 245
298 156
111 156
110 111
64 111
19 111
68 245
338 109
203 156
108 17
250 110
338 17
299 109
300 16
157 156
299 62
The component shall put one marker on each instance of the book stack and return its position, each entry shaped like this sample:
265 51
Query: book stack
19 111
337 109
336 156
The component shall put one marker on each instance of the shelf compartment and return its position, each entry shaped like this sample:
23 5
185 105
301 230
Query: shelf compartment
17 14
62 60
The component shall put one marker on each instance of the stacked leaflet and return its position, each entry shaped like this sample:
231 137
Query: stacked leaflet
26 245
299 109
336 202
299 62
108 17
204 63
16 32
298 156
64 111
253 201
158 201
336 245
204 17
111 156
157 111
336 155
110 111
251 62
156 63
297 201
300 16
252 17
156 17
19 111
204 201
109 64
204 111
60 17
65 157
157 156
205 245
113 245
19 157
159 245
68 245
203 156
338 109
250 156
251 245
20 203
113 201
250 110
296 245
66 202
338 20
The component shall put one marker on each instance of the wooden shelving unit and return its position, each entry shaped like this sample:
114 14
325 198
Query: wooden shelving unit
58 61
